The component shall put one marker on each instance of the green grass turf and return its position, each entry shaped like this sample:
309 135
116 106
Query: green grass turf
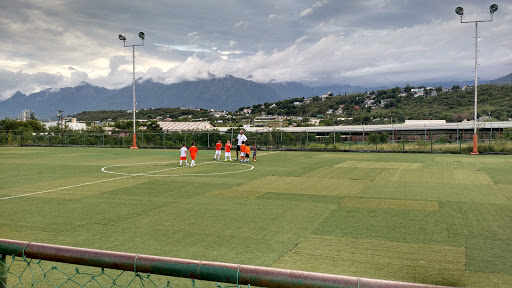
437 219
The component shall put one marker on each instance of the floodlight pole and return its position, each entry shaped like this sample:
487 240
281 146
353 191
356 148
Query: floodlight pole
123 38
460 11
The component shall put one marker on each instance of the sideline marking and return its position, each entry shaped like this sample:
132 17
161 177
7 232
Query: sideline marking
126 175
62 188
104 169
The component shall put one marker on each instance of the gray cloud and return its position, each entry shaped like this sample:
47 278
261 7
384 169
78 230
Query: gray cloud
370 42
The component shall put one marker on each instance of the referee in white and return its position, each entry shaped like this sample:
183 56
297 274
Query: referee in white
241 137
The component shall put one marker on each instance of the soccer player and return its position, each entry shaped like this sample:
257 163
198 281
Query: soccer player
218 147
227 151
241 138
242 151
247 152
193 153
254 152
183 156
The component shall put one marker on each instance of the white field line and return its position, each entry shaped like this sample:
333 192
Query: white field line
125 175
61 188
173 168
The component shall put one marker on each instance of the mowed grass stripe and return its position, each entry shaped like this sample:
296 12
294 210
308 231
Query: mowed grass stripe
390 204
257 217
376 259
298 185
345 173
435 191
436 175
372 164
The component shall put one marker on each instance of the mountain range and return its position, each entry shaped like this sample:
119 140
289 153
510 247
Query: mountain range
227 93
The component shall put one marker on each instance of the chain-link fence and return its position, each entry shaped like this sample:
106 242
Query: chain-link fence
43 265
392 141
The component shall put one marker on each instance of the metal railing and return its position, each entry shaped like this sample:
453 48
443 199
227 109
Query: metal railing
199 270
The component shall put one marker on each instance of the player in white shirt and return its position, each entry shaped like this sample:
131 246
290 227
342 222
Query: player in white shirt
241 138
183 156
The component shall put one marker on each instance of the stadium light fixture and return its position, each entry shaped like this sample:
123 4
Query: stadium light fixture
123 38
460 11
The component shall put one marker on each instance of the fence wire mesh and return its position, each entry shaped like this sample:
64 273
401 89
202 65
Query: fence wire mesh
26 272
392 141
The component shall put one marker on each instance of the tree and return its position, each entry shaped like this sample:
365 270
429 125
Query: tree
153 126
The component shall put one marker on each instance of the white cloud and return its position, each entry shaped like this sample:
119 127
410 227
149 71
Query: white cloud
370 42
242 23
308 11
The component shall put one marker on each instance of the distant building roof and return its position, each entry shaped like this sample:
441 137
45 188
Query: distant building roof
185 126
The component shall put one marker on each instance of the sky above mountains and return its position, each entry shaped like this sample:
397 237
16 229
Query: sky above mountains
370 43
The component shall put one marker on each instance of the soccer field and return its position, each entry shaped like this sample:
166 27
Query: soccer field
426 218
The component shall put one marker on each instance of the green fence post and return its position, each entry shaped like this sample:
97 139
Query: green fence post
3 271
490 136
350 142
460 145
403 142
430 140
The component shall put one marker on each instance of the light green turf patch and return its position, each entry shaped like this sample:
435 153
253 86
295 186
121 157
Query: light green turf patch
372 164
235 193
434 264
345 173
436 176
344 155
315 186
302 197
390 204
434 191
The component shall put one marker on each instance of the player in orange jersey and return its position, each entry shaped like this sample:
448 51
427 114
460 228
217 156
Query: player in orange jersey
227 151
242 151
247 152
218 147
193 153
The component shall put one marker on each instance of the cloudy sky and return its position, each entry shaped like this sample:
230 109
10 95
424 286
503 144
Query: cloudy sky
60 43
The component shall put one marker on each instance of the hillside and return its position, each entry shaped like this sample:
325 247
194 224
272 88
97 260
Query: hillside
503 80
453 106
226 93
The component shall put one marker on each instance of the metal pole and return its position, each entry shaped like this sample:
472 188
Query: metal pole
134 146
193 269
475 136
460 11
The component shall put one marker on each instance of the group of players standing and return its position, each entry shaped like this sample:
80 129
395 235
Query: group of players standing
242 147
